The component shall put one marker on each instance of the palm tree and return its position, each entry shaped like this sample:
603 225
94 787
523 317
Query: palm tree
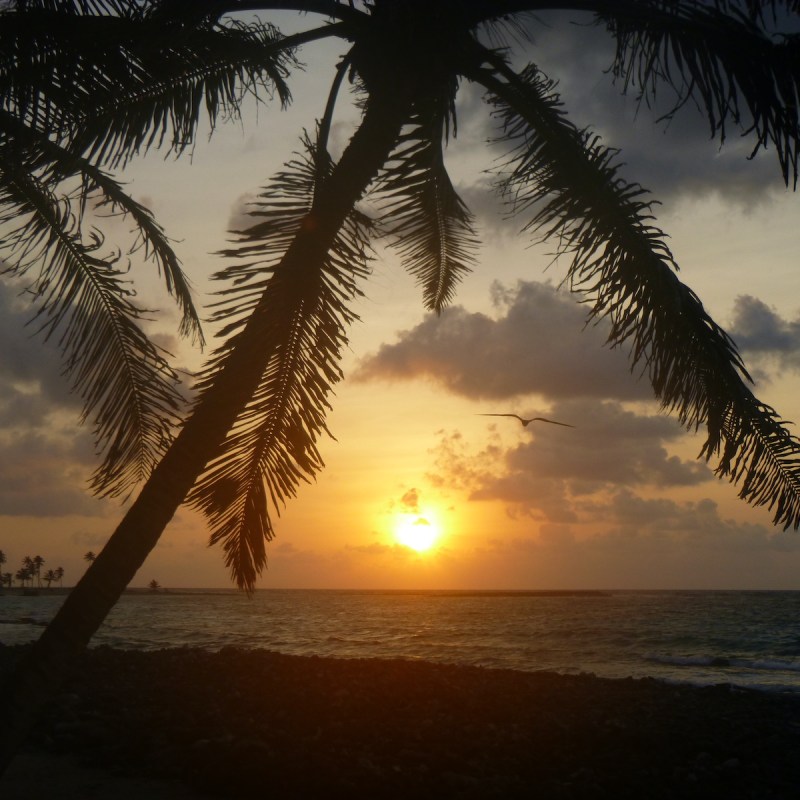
38 562
59 575
154 585
49 577
29 567
93 81
7 579
23 574
89 557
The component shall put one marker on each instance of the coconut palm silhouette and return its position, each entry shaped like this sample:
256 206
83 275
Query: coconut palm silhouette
87 84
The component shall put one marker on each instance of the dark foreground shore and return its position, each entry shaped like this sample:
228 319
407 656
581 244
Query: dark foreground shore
240 723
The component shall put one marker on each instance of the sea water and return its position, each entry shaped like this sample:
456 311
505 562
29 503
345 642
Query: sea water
747 639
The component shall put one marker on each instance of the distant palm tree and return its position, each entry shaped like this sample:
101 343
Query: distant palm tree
90 557
86 84
8 579
38 563
23 574
49 577
154 585
59 575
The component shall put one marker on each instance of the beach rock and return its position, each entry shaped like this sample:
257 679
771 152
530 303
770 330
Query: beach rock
240 724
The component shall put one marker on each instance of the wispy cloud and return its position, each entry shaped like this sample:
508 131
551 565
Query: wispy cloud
562 475
759 330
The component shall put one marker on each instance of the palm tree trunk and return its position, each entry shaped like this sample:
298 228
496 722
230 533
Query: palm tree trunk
54 656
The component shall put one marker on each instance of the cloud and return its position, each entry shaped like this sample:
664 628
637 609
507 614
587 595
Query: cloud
560 475
45 476
46 454
378 549
612 468
611 445
45 457
673 159
539 344
605 509
759 330
410 501
93 541
31 381
695 548
241 215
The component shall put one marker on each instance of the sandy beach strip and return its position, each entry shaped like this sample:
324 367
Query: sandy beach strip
186 724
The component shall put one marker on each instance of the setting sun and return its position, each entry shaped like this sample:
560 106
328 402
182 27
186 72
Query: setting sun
416 531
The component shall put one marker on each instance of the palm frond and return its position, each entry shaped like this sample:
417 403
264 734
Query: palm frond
423 215
178 80
272 446
84 300
83 7
759 10
495 12
621 263
114 86
54 164
506 29
720 58
52 62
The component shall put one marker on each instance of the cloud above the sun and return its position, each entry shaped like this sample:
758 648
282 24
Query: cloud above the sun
538 342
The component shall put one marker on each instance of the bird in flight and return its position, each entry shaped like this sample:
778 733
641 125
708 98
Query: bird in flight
526 422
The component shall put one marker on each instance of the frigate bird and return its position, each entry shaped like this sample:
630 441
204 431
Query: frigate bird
526 422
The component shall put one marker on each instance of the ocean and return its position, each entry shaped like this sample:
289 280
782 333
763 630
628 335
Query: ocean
747 639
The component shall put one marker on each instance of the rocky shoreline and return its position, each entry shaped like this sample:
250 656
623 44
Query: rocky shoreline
240 723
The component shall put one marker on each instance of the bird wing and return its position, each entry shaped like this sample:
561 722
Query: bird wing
525 422
551 421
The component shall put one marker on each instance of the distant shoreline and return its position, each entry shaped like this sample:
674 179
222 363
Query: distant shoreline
17 591
65 590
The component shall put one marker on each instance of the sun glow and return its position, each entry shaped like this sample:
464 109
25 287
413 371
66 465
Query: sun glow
417 531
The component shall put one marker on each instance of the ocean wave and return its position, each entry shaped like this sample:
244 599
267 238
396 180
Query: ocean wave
24 621
742 639
766 665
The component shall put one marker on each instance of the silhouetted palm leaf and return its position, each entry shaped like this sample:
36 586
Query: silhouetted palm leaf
424 216
272 446
83 299
116 86
620 261
85 77
52 61
177 81
54 164
723 61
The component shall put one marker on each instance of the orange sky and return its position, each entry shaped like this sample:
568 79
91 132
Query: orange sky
618 502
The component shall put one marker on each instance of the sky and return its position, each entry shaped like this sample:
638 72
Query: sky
617 501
